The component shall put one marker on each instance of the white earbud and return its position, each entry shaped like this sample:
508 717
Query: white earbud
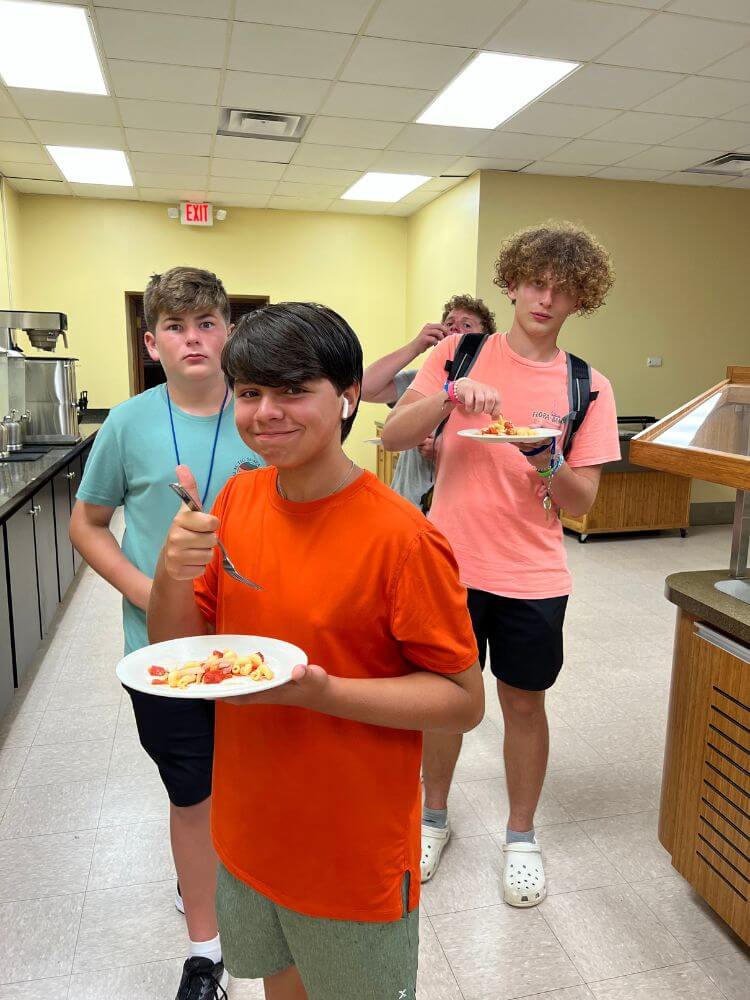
345 411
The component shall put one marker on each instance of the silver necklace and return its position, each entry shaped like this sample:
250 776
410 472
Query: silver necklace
283 495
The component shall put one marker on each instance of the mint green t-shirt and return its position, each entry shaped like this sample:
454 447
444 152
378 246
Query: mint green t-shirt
131 465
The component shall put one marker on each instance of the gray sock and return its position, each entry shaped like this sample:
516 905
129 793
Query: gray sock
514 837
438 818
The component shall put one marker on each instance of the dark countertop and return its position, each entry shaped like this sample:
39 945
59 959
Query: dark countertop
695 594
18 480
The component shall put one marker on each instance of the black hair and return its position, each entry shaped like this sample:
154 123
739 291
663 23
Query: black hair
290 343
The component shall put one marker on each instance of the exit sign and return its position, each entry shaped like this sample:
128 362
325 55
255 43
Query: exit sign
196 213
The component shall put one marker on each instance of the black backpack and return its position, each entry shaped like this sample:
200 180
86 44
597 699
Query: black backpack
580 393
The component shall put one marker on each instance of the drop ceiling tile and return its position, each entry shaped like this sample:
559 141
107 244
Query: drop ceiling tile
167 115
242 185
51 106
16 130
734 67
170 196
293 190
232 147
565 29
648 4
397 162
73 134
31 171
170 163
25 186
320 175
245 168
104 191
564 120
403 64
637 126
670 158
233 200
158 141
610 87
184 84
441 21
438 139
299 204
694 180
199 8
358 207
700 95
468 164
739 182
739 114
286 94
345 157
163 179
441 184
323 15
288 51
517 146
593 151
23 152
716 134
722 10
621 173
679 43
360 132
162 38
7 109
393 104
562 169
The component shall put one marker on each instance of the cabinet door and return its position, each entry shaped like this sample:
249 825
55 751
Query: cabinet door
24 597
6 656
65 563
46 557
75 475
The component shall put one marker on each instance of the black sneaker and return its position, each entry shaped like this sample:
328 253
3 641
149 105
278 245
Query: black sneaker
203 979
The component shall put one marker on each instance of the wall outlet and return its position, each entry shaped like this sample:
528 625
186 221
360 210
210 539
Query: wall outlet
653 362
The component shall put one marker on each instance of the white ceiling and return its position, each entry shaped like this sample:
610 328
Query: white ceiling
664 87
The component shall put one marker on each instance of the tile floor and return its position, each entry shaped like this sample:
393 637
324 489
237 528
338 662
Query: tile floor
86 878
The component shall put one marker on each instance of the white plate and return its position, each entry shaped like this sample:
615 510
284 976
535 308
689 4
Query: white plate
280 656
372 441
545 433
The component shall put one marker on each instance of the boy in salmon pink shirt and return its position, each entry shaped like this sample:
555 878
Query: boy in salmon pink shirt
497 505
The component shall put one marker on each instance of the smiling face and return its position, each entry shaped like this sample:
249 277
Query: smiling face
541 306
188 344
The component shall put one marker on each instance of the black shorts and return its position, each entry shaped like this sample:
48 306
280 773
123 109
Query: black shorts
178 736
525 638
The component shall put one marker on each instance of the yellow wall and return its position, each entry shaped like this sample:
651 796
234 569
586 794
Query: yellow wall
442 253
80 256
681 259
9 236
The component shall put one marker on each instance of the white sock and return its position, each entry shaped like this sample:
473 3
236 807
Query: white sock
206 949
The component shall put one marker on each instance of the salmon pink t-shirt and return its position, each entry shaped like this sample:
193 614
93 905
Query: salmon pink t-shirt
317 813
488 497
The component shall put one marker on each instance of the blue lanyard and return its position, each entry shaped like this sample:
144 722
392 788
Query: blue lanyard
213 449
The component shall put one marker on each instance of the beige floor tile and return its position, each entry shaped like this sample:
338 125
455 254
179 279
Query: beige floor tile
497 953
47 809
65 762
489 798
72 695
38 937
129 757
5 797
251 989
463 819
610 932
700 931
469 876
151 981
131 925
34 695
571 993
632 845
134 798
731 973
38 989
131 855
607 789
623 740
35 867
683 982
435 981
18 729
11 765
96 722
481 754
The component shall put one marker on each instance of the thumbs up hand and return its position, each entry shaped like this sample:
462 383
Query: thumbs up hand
192 536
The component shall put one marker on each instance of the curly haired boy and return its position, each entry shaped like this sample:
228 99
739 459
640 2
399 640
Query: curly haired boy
497 506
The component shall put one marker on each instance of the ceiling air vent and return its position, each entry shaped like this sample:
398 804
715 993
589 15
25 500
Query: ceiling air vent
726 165
262 124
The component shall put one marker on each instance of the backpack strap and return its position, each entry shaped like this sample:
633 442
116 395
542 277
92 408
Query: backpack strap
467 353
580 396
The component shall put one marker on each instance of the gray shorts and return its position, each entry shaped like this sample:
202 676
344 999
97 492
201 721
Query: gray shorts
336 959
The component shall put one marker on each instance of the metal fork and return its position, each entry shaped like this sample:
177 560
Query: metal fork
226 563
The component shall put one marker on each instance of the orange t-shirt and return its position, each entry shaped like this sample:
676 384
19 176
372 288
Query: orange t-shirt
322 814
488 497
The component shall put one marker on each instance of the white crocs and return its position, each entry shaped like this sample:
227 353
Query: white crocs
524 883
433 845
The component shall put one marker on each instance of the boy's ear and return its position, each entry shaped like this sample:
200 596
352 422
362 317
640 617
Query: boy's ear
150 341
512 293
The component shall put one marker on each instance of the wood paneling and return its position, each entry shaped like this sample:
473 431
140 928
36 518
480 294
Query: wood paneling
635 501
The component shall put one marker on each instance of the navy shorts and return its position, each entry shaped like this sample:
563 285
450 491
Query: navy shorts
525 638
178 736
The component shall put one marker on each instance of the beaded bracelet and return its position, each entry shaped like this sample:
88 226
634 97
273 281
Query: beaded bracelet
554 467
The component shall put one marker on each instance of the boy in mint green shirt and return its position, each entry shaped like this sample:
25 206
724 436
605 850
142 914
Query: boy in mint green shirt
190 421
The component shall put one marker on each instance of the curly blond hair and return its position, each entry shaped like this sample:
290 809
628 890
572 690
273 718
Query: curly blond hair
578 263
476 306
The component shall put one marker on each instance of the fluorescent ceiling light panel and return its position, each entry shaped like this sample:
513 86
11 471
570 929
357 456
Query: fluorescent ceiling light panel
493 88
92 166
48 46
375 186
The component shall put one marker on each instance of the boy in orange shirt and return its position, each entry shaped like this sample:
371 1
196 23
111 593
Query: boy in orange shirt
316 800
